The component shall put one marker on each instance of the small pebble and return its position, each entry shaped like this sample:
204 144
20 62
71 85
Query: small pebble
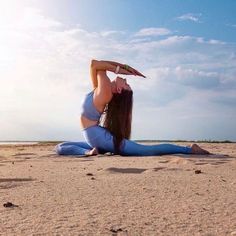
9 204
115 228
89 174
198 171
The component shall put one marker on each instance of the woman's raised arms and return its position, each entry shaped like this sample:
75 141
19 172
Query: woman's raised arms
129 69
96 66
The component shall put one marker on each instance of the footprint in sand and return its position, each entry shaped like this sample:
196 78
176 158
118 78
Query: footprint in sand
201 163
24 154
166 169
126 170
163 161
214 160
6 183
159 168
179 160
15 179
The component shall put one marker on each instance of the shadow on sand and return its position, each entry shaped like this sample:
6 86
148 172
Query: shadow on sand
213 159
126 170
2 180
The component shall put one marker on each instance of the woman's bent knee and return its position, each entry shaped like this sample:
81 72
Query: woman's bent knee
58 149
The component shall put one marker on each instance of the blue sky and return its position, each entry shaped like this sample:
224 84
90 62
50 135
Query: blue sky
187 50
211 16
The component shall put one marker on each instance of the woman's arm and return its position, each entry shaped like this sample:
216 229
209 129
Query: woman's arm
114 63
126 67
96 66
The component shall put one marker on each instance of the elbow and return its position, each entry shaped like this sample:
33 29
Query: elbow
93 63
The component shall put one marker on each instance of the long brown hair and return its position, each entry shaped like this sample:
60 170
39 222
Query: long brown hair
118 117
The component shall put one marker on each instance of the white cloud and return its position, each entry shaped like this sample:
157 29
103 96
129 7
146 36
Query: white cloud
231 25
111 32
190 17
173 40
210 41
139 40
214 41
197 78
27 19
153 32
185 76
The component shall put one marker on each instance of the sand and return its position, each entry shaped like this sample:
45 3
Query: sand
113 195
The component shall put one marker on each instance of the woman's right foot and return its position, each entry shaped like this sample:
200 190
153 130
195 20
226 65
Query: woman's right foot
92 152
198 150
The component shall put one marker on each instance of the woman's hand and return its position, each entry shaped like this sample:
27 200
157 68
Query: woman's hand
128 70
134 72
124 69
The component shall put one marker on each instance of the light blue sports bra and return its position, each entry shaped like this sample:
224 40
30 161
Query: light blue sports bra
88 108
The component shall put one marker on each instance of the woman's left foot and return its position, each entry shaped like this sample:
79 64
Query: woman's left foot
198 150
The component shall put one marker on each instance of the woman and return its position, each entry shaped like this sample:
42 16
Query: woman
111 132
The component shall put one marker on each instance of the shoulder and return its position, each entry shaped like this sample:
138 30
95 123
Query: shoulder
103 91
100 100
103 96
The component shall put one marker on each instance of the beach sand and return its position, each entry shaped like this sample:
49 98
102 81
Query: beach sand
113 195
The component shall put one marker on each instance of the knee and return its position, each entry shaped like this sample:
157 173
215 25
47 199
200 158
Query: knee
58 149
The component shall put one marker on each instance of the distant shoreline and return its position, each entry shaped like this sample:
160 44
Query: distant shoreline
187 141
48 142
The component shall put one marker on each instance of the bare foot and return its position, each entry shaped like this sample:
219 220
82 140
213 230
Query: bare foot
198 150
92 152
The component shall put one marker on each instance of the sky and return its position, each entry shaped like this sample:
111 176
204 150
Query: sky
187 50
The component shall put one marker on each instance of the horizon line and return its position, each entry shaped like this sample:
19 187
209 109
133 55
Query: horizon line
135 140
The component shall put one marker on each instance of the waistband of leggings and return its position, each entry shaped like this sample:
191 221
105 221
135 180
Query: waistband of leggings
90 127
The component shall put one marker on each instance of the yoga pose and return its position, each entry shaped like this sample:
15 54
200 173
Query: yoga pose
106 118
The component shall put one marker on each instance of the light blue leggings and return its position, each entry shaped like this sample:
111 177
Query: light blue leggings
101 138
